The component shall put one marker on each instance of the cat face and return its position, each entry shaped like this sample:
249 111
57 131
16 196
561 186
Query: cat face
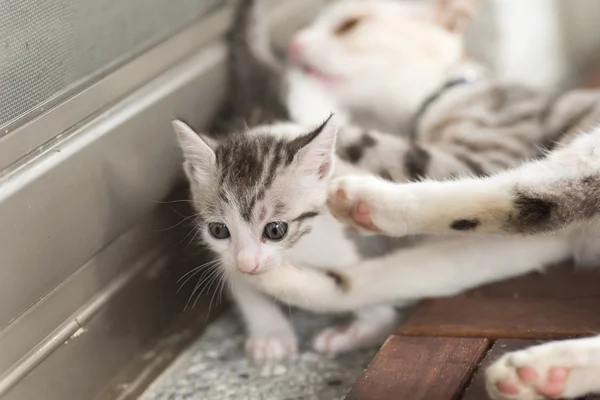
258 192
359 48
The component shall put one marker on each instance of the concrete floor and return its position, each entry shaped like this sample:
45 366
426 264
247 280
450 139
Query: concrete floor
215 368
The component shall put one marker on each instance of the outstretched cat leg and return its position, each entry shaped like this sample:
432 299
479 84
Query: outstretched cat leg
565 369
270 334
435 268
543 196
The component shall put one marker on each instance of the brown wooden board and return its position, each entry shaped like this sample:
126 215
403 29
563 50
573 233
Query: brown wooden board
558 282
419 368
560 303
505 318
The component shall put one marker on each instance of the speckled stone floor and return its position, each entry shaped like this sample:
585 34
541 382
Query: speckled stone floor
215 368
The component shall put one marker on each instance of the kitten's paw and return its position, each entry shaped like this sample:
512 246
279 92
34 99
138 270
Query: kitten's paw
345 338
271 347
366 204
537 373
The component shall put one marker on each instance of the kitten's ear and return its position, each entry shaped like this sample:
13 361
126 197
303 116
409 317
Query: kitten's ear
198 153
316 150
454 15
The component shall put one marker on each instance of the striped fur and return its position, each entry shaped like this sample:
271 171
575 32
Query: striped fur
473 130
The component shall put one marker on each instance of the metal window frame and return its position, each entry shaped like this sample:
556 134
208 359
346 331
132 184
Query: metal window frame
17 145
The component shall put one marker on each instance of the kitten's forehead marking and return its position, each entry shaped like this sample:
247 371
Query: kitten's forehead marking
248 166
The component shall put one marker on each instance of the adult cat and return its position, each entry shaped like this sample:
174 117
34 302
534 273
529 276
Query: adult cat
557 198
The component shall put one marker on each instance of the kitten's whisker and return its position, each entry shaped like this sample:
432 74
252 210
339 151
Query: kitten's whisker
194 228
191 276
199 285
193 237
197 269
176 225
224 283
173 201
192 295
217 279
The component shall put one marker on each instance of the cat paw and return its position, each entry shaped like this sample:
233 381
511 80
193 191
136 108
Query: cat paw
345 338
527 375
366 204
271 347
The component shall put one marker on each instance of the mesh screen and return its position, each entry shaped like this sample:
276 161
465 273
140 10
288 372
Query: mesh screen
47 45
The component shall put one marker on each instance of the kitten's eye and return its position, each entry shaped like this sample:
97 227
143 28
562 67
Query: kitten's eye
218 230
347 25
275 231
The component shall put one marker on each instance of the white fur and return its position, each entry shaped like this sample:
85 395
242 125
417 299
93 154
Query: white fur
383 68
580 358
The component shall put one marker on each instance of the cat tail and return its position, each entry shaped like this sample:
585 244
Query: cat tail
255 75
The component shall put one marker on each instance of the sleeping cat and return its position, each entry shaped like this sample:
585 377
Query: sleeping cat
556 199
260 191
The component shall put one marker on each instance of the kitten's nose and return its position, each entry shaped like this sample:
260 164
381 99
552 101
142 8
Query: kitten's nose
295 48
247 264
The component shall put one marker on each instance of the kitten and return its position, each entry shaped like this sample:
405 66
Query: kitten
557 198
260 193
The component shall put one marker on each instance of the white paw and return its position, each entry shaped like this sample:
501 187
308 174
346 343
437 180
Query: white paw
536 373
271 347
345 338
367 204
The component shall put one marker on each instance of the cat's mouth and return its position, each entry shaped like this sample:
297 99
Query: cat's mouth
315 72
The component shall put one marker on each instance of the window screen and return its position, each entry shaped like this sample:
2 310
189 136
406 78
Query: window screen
48 46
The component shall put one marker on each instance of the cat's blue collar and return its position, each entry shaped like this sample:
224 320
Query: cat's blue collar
466 79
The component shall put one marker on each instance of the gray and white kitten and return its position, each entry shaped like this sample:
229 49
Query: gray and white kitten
261 192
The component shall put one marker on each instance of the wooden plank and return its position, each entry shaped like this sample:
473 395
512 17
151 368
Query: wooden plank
505 318
558 282
560 303
476 389
419 368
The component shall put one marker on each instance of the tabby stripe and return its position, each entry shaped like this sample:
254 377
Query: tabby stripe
416 162
475 167
306 215
296 237
486 147
574 121
354 152
385 175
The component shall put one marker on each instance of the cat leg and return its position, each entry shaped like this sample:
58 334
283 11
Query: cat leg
270 334
371 327
438 267
542 196
563 369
